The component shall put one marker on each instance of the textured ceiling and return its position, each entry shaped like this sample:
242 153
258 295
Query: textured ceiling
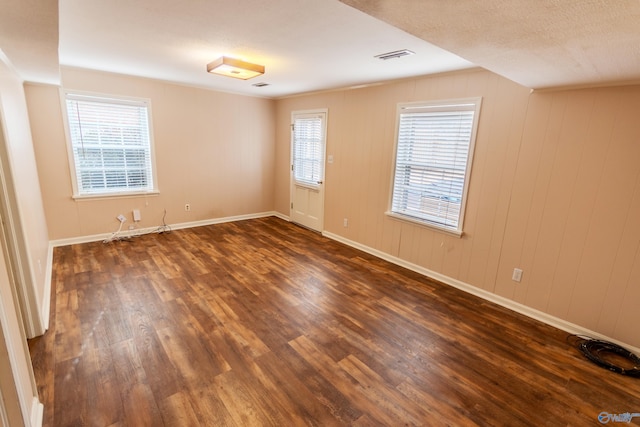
305 45
310 45
539 44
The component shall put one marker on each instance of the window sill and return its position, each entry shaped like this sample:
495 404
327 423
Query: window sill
422 223
82 197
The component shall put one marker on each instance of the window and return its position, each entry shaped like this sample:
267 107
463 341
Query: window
308 148
434 149
110 145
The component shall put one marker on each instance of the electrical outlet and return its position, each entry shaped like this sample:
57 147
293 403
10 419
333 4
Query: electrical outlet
136 215
345 222
187 207
121 218
517 275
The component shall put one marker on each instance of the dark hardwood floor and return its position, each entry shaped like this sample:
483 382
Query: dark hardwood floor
261 322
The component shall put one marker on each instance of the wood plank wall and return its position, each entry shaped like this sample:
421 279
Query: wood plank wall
555 190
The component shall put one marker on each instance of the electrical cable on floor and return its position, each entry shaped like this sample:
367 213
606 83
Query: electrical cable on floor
164 228
115 236
596 351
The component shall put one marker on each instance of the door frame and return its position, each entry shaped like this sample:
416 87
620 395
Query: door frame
14 238
321 185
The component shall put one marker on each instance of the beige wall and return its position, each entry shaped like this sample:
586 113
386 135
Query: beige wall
554 190
213 150
555 185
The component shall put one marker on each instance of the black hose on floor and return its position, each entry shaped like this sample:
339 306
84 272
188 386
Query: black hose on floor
596 351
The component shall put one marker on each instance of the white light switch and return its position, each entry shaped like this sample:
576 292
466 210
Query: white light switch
517 275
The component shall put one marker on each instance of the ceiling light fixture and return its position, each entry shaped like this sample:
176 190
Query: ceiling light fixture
232 67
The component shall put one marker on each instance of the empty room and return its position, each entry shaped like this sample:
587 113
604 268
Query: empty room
319 213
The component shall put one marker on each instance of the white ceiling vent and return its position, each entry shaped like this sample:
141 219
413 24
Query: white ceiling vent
395 54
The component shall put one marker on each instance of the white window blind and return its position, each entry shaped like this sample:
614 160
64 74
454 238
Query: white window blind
111 145
433 156
308 155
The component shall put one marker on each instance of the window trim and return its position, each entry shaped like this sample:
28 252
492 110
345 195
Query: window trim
440 105
322 114
69 143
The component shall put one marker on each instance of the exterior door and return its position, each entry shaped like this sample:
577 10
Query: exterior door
308 143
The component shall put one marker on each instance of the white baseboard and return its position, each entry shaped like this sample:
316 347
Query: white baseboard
37 413
486 295
222 220
147 230
281 216
48 277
